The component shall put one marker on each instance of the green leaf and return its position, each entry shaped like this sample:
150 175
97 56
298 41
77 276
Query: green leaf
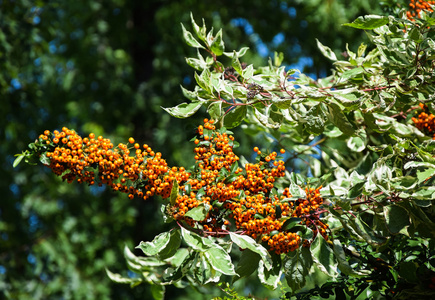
350 98
199 31
270 118
417 164
247 264
356 143
43 158
181 264
220 260
199 213
368 22
172 246
356 189
217 46
115 277
235 63
228 89
343 264
314 123
156 245
179 257
296 191
18 159
282 103
425 193
235 116
362 49
297 265
247 242
204 272
425 175
192 96
291 223
190 40
234 167
248 72
239 53
183 110
141 264
326 51
425 156
167 216
340 120
195 241
270 278
278 58
215 110
366 232
197 64
174 192
324 257
415 35
396 217
204 80
171 275
158 292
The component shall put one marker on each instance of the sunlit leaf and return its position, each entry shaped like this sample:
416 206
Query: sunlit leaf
184 110
198 213
156 245
247 242
368 22
220 260
324 257
189 39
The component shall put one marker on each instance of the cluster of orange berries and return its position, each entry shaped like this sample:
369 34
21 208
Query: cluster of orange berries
241 198
417 6
95 160
307 209
425 121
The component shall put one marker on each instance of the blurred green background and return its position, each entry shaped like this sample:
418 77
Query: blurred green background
107 66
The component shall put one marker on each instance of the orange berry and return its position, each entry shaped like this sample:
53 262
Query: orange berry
131 140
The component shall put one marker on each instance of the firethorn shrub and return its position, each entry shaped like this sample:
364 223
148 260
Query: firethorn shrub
233 199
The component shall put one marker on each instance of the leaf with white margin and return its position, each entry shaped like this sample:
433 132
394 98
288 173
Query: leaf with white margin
247 242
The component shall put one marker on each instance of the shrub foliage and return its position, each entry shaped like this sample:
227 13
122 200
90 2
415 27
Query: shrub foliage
346 187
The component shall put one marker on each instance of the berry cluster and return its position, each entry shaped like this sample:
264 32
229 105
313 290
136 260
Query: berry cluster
308 210
95 160
243 200
417 6
242 197
425 121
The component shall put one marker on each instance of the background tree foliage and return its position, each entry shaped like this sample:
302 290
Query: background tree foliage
108 67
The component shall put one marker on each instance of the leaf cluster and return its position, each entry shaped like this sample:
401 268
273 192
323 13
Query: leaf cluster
378 167
353 133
